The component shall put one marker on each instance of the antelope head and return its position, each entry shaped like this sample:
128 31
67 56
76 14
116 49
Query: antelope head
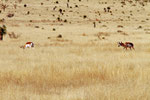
119 44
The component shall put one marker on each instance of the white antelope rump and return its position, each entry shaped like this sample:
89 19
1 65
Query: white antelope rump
126 45
28 45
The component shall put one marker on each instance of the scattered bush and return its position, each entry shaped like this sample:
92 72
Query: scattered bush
120 26
57 2
10 15
139 27
37 27
54 29
84 16
4 6
25 5
2 20
59 36
119 31
65 20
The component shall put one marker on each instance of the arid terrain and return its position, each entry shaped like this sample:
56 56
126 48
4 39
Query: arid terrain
76 54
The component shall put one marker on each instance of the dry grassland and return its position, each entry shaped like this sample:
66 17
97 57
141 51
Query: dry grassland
86 63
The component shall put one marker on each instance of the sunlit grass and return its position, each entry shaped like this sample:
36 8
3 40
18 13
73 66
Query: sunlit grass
87 72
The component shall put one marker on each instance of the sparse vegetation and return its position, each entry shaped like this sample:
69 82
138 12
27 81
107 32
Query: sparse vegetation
54 29
84 16
3 6
59 36
10 15
120 26
25 5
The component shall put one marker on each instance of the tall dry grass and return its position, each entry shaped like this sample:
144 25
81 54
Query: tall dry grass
98 72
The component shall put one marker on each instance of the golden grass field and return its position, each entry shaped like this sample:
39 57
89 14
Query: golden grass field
86 63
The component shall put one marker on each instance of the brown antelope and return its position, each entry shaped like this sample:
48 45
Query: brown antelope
28 45
126 45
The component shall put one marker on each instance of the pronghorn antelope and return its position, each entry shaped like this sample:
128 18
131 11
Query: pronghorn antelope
28 45
126 45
